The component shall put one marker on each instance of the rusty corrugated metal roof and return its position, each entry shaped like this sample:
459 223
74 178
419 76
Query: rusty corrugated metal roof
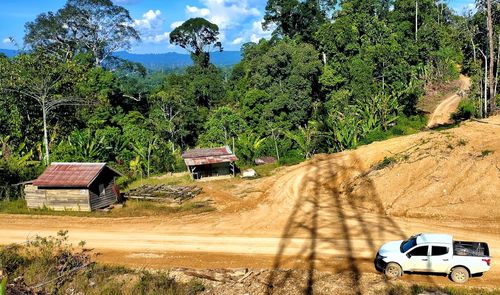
70 175
196 153
208 156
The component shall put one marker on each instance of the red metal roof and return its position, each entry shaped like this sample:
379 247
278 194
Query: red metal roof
69 175
208 156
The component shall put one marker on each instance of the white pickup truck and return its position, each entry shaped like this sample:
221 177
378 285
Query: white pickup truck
434 253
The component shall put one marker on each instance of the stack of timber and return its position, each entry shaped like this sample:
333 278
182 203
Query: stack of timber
164 193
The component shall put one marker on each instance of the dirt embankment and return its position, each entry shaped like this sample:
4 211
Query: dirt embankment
330 213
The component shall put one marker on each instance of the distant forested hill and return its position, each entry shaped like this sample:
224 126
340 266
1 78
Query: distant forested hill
8 52
171 60
166 61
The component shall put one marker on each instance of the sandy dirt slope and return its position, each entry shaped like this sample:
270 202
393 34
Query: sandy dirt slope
442 113
330 213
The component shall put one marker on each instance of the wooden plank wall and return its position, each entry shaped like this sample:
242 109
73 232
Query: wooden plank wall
57 199
97 201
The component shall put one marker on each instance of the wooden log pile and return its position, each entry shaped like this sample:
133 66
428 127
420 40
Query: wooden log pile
164 193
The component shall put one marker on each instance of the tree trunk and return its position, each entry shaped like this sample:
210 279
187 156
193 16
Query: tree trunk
485 114
473 48
45 135
149 157
276 146
498 58
491 54
416 21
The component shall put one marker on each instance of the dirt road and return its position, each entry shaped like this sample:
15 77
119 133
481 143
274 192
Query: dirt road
330 213
442 114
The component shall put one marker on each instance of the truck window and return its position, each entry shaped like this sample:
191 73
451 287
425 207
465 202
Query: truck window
439 250
407 245
419 251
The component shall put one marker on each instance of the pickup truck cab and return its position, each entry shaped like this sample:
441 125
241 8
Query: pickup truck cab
434 253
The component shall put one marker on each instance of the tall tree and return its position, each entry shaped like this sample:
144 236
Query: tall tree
44 80
491 45
294 17
96 26
199 37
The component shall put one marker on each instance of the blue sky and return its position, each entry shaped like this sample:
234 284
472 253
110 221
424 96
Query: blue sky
238 20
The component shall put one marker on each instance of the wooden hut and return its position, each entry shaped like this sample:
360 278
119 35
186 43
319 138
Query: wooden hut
73 186
202 163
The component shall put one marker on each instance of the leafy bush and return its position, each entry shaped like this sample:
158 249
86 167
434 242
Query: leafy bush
51 265
405 125
156 284
466 110
292 157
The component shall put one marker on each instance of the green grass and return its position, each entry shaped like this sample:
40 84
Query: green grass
485 153
265 170
399 289
175 179
42 259
462 142
384 163
132 208
404 126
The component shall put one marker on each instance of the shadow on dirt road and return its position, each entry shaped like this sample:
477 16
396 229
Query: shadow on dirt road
342 218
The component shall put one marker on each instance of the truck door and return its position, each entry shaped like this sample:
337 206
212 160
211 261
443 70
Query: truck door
440 258
419 259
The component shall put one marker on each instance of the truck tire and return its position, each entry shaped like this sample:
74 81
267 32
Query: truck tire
459 274
393 271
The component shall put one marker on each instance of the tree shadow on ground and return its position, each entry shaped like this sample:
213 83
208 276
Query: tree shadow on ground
341 218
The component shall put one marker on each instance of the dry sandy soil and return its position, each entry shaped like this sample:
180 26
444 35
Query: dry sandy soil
328 214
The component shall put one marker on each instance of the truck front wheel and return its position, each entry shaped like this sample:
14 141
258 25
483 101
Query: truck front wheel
459 275
393 270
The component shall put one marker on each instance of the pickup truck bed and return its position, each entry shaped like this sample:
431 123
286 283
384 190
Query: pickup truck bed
478 249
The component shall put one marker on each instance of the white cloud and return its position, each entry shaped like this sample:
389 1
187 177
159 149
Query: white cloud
237 41
258 32
176 24
7 41
195 11
224 13
158 38
151 28
254 33
150 19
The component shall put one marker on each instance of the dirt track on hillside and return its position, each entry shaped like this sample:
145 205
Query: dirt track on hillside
331 213
442 113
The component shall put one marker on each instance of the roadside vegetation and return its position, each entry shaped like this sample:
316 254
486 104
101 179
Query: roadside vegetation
416 289
132 208
52 265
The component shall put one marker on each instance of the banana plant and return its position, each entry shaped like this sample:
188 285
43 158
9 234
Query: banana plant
344 128
17 157
305 138
88 145
144 151
248 146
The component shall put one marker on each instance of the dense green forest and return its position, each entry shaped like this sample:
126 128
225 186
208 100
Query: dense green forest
333 76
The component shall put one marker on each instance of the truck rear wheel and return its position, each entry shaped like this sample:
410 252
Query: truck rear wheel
393 270
459 275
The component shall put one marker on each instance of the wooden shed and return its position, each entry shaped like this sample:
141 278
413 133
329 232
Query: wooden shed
73 186
211 162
